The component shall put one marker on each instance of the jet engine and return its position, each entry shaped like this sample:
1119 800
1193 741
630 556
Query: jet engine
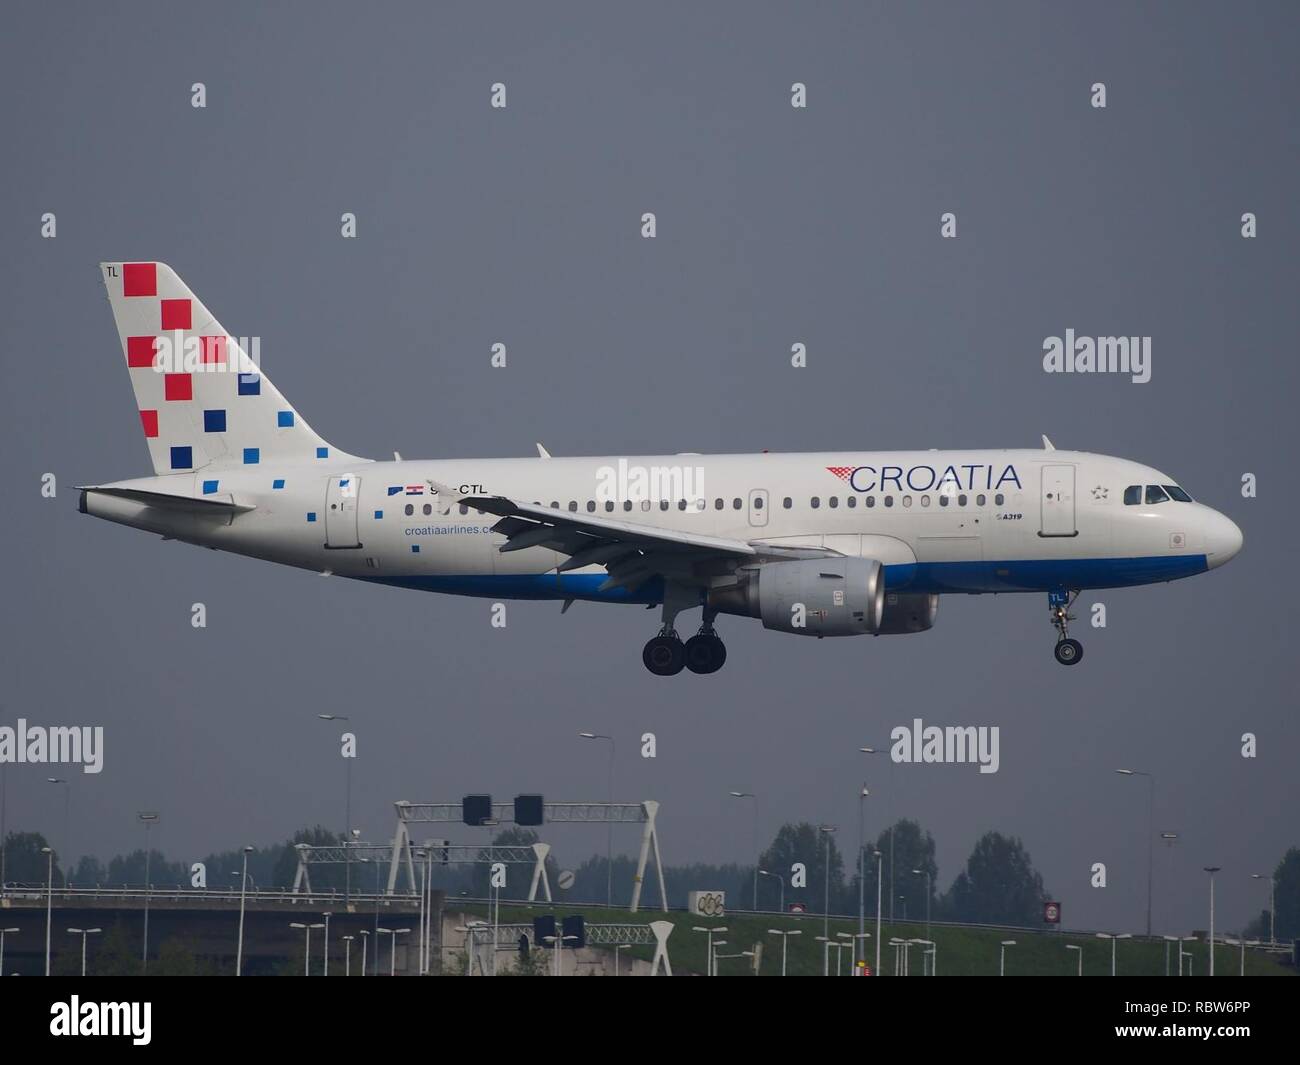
811 597
908 612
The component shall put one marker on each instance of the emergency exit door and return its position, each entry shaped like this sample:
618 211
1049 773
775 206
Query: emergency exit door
1057 501
341 499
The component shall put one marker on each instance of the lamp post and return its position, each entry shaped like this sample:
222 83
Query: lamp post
147 818
1076 947
243 892
84 932
1212 869
780 880
347 814
1151 827
49 901
365 938
925 873
1113 940
826 831
708 968
306 965
327 915
67 821
862 917
619 947
751 795
785 942
1168 940
1002 959
392 957
1272 906
879 885
933 953
4 932
609 824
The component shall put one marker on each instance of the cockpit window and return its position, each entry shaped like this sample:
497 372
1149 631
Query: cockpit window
1132 495
1156 494
1177 493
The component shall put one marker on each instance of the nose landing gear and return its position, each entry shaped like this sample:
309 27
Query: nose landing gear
1068 651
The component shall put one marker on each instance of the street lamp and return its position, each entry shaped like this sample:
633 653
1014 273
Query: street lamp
757 856
347 813
392 958
708 969
4 932
826 831
879 885
862 916
365 938
1113 939
84 932
243 886
67 821
49 901
1212 869
780 880
1075 946
617 948
327 915
785 942
1151 828
1002 959
742 954
1272 891
609 824
933 953
306 957
147 818
925 873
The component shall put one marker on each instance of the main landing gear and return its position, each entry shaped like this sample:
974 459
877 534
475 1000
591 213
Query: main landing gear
1068 651
666 655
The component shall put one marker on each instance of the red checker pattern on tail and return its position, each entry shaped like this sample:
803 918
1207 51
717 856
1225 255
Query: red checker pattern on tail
140 352
139 279
176 314
212 349
149 419
842 472
177 386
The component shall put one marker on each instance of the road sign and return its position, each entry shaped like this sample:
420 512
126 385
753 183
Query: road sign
1052 912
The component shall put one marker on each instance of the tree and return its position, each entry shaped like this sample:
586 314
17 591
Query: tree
1286 898
999 884
802 844
24 862
913 848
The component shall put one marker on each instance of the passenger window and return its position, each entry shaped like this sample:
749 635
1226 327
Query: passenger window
907 501
852 501
609 505
1156 494
980 500
889 501
1132 495
788 503
961 501
627 504
645 504
464 509
428 508
663 504
591 505
410 509
943 501
737 503
816 502
758 502
834 502
925 501
999 499
555 504
681 504
871 502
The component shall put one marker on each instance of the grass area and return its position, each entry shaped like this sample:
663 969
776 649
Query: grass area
960 951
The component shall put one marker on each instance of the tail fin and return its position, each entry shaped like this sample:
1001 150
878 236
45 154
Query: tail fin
203 402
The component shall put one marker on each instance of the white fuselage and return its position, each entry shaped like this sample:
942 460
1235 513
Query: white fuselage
938 521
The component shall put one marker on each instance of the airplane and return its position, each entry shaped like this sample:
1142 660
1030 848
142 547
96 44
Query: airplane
817 544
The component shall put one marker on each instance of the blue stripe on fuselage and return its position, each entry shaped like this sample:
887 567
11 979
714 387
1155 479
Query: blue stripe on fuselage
1031 575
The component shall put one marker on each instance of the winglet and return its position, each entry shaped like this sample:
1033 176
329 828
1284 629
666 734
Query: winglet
1047 444
542 452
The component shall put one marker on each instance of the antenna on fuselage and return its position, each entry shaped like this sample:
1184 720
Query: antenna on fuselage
1047 444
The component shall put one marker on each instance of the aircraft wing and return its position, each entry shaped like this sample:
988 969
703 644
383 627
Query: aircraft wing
630 551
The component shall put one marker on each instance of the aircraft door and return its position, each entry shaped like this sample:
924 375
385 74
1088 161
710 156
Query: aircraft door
1057 501
758 507
341 501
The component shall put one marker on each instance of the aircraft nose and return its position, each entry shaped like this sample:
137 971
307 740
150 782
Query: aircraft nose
1223 539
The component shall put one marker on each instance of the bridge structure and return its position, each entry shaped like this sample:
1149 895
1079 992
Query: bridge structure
643 813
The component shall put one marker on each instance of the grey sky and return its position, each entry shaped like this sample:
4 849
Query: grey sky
774 226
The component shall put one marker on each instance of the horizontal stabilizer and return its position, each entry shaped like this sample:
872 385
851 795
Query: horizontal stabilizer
166 500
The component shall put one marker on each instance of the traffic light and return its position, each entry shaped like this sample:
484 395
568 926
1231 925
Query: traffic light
575 926
476 809
528 810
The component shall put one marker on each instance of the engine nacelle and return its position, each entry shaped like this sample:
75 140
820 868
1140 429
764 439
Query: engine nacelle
908 612
811 597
